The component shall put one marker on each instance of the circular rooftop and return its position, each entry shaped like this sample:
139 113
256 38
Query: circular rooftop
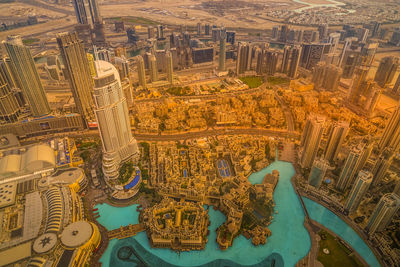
76 234
45 243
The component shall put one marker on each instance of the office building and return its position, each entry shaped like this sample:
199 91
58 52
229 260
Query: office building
26 76
222 51
323 31
382 165
150 32
396 87
88 13
386 71
81 11
383 213
207 29
350 167
391 134
122 65
10 106
198 28
326 76
79 74
113 118
133 38
358 190
311 139
141 71
160 32
375 28
317 172
202 55
170 67
230 37
335 140
153 68
395 39
314 53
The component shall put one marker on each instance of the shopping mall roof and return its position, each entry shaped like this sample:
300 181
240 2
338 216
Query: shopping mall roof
15 254
76 234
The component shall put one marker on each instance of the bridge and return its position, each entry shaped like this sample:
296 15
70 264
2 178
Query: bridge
126 231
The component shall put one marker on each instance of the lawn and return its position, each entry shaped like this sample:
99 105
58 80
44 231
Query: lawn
277 80
180 91
338 253
252 82
30 41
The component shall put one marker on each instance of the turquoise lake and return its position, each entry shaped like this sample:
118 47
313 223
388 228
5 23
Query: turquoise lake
288 243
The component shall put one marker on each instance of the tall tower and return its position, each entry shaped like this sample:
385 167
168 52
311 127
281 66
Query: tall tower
391 134
318 171
80 11
141 71
386 71
153 68
170 67
358 191
382 165
335 140
27 76
113 119
294 62
242 58
311 139
383 213
350 167
94 12
9 106
79 74
222 51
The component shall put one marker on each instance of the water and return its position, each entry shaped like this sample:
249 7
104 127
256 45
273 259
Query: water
327 218
288 244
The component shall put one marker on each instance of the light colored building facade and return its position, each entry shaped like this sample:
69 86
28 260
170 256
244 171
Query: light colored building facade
222 51
349 169
170 67
26 76
311 139
141 71
358 191
382 165
113 119
335 140
391 135
383 213
79 74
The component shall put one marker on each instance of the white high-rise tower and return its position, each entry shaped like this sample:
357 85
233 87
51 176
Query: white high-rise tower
113 119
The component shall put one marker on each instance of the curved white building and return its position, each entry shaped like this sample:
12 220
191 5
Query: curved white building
113 120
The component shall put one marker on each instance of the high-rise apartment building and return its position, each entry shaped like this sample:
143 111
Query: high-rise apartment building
10 107
242 58
350 167
314 53
311 139
79 74
170 67
153 68
391 134
222 51
88 16
386 71
291 60
141 71
383 213
335 140
26 76
358 190
317 172
326 76
382 165
113 118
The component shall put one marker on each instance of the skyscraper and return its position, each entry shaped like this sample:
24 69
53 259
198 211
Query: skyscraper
358 191
391 134
386 71
294 61
318 171
382 165
314 53
383 213
79 75
396 87
113 119
350 167
26 76
311 139
335 140
326 76
87 12
141 71
242 58
153 68
80 11
9 106
222 51
170 67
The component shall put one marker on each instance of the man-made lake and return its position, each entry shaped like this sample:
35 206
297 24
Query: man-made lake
289 242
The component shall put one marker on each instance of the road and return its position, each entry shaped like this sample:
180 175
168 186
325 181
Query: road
215 132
